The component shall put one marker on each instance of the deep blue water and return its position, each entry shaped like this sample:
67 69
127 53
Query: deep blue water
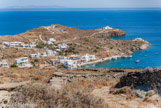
136 23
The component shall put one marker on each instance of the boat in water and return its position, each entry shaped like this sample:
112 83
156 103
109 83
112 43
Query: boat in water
137 61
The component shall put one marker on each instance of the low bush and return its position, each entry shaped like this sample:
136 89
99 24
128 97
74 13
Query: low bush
42 96
13 66
40 45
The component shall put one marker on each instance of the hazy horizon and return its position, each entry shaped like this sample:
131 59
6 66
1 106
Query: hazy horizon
23 4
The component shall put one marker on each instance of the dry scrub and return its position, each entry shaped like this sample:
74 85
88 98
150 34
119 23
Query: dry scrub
43 96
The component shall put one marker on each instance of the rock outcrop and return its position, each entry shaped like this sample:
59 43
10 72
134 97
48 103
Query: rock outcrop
150 78
109 33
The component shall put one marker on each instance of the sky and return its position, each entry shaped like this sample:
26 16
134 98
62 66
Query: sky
80 3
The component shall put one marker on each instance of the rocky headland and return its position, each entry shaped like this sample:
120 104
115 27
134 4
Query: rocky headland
80 42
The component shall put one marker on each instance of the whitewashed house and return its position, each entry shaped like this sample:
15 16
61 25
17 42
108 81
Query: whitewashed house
62 59
74 57
50 53
4 63
70 64
63 47
16 44
33 45
43 54
57 50
26 46
56 53
6 44
13 44
50 41
22 62
107 28
53 26
36 55
88 57
60 30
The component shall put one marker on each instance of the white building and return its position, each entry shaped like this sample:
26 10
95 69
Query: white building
53 26
74 57
43 54
4 63
107 28
36 55
31 45
60 30
88 57
63 47
70 64
26 46
6 44
50 53
62 59
18 44
50 41
12 44
22 62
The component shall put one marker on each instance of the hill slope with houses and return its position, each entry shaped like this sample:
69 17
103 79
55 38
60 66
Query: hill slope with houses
49 44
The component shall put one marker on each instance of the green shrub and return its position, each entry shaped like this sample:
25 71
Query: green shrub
86 40
97 47
92 60
33 63
60 53
13 66
95 51
107 55
40 45
60 66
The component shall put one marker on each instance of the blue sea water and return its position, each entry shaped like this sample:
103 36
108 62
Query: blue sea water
135 22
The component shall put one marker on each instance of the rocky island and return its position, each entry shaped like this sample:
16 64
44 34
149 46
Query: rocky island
41 68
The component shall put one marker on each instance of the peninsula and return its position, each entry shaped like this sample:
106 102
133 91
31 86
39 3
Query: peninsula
61 46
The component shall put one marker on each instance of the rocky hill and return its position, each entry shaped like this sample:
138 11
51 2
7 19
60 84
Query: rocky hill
81 41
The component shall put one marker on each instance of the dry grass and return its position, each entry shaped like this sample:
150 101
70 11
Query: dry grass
43 96
25 74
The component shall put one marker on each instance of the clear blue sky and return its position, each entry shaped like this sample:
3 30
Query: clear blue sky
81 3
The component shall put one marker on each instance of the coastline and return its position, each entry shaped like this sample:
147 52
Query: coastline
143 47
100 60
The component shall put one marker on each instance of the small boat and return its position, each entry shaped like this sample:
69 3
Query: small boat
130 56
137 61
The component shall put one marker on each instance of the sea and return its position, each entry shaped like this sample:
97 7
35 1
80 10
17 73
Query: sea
137 23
